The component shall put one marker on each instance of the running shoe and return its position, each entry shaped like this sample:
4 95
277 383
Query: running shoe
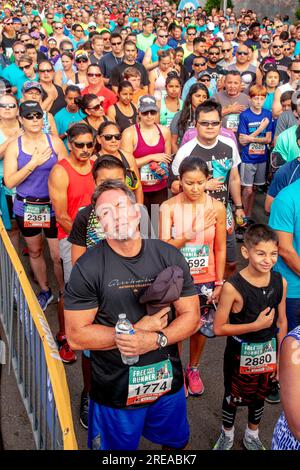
224 442
84 410
67 355
44 298
252 443
274 396
195 384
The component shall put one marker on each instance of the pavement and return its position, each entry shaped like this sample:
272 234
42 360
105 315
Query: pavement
204 412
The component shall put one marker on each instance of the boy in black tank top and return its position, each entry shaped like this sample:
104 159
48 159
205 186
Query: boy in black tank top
251 312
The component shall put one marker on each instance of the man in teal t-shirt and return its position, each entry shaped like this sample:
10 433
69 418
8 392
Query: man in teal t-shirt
70 114
285 219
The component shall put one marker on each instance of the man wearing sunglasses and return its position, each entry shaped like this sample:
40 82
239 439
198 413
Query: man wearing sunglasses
222 157
294 77
150 60
227 51
12 72
71 185
246 69
109 61
282 62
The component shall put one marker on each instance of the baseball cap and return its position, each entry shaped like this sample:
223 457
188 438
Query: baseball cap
92 24
8 21
147 103
81 54
265 37
31 85
35 35
51 39
16 20
204 74
28 107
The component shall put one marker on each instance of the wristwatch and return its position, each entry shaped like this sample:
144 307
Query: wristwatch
162 340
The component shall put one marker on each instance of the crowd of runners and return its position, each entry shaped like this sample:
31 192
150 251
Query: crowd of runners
134 138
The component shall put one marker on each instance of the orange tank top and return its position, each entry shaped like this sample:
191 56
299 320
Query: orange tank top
79 194
199 251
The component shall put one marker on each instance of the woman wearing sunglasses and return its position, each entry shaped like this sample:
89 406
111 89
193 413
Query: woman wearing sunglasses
25 64
109 138
27 164
150 143
82 63
124 112
53 95
92 106
10 129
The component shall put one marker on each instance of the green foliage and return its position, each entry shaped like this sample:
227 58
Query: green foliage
297 13
210 4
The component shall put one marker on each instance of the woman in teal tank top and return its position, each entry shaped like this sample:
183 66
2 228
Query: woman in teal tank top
171 103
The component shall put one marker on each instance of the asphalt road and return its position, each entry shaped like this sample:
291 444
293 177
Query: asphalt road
204 412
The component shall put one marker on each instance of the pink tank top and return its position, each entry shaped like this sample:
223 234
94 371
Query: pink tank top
142 150
199 252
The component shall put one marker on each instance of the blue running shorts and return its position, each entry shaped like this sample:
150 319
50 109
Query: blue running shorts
163 422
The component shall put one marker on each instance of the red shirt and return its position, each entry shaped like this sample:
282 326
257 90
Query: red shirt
110 97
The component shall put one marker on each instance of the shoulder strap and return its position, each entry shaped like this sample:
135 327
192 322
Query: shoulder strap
124 160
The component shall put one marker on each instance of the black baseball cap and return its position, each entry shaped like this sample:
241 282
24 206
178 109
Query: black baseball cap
28 107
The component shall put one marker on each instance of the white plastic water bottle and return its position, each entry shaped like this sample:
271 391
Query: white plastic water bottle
124 327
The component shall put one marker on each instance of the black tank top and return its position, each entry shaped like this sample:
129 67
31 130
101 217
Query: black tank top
95 131
125 121
255 300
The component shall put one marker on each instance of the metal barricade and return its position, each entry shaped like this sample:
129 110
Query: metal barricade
33 355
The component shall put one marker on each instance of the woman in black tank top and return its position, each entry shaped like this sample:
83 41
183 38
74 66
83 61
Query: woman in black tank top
124 112
91 105
109 141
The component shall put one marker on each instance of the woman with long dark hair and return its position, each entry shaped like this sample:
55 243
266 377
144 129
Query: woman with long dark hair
124 112
185 118
92 106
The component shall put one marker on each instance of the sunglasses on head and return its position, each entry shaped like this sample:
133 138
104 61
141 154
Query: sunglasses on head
8 105
81 145
31 116
109 137
152 112
96 107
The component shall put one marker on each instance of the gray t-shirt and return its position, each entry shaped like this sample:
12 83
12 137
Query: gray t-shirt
231 121
286 119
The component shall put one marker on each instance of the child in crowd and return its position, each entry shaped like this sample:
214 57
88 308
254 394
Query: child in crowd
251 312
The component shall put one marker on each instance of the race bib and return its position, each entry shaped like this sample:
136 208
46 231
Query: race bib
258 358
197 257
147 176
36 215
233 122
257 149
148 383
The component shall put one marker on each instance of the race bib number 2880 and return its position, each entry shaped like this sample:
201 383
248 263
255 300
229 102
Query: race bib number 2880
148 383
